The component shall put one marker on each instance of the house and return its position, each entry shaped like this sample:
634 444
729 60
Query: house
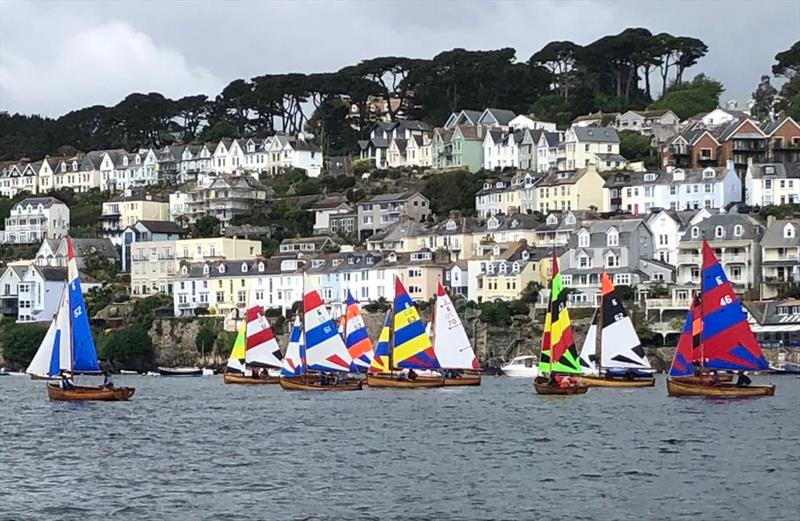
692 148
507 195
305 245
547 151
596 119
48 167
530 122
657 124
148 231
179 202
294 152
396 154
9 289
344 224
558 227
716 117
501 149
455 280
419 150
155 264
742 141
675 189
570 190
772 183
526 148
124 210
34 219
456 235
780 257
461 147
16 178
668 227
334 274
623 248
420 271
53 252
776 323
735 239
401 237
510 228
324 209
784 140
496 118
380 211
40 290
465 117
381 136
598 146
227 196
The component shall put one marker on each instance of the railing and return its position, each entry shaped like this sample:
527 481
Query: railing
735 257
656 303
688 258
185 305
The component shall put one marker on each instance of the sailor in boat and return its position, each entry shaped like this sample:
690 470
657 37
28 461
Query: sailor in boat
743 380
108 383
412 375
713 379
66 383
629 375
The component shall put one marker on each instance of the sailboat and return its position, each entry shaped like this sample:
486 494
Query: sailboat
256 350
39 367
292 363
72 349
451 344
322 350
559 357
716 336
407 346
356 336
615 357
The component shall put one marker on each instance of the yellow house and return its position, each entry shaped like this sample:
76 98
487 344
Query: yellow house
580 189
458 235
125 210
506 276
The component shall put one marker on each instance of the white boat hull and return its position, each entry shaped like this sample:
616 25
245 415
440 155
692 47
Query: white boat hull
520 372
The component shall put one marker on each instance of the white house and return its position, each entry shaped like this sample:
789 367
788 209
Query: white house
9 289
546 151
522 122
34 219
40 289
299 152
501 149
772 183
324 209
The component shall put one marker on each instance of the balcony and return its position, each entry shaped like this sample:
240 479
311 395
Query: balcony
738 258
667 303
689 258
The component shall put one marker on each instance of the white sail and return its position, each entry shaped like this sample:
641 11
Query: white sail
588 366
450 341
261 348
292 363
64 327
40 365
325 349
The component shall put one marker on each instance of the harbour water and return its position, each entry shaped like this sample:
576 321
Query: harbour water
196 449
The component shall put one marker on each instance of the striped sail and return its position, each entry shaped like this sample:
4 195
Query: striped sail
727 342
450 341
356 336
686 354
84 355
411 344
620 345
292 363
557 340
261 348
325 349
236 360
380 362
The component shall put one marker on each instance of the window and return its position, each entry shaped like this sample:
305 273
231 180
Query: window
622 278
736 273
719 232
709 188
220 297
612 261
613 237
738 230
583 239
584 261
695 232
663 239
788 231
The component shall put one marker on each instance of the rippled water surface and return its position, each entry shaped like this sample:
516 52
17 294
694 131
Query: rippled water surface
188 449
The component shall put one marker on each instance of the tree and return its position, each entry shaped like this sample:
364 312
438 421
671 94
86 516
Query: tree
206 226
689 52
20 342
452 191
637 147
530 295
764 98
788 62
559 59
700 95
787 66
128 348
193 110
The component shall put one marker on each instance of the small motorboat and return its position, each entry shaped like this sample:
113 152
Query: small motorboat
521 367
152 373
180 371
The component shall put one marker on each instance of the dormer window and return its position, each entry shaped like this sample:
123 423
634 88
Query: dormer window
789 231
63 167
525 255
74 166
552 220
205 269
184 271
244 267
486 186
503 267
451 225
678 174
496 250
769 170
695 232
569 219
221 268
261 267
708 173
370 259
583 239
649 177
515 267
738 230
492 223
392 257
612 237
490 269
719 232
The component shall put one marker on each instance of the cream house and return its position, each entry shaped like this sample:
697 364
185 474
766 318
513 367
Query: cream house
780 257
580 189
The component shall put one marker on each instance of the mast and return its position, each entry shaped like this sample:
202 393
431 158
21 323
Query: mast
303 355
598 335
702 325
391 333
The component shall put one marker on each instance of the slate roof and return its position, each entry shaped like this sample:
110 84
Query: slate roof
776 170
502 116
328 203
596 134
774 238
168 227
46 202
390 197
752 229
103 246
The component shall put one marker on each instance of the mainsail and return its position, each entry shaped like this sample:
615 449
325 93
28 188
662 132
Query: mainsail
261 348
356 336
620 347
84 356
687 353
557 340
727 342
450 341
380 361
412 346
325 349
292 364
236 360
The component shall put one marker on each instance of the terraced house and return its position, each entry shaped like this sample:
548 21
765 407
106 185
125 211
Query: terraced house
780 258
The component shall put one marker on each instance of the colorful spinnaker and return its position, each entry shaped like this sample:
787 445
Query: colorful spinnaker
687 352
356 336
727 342
558 343
325 349
450 342
619 346
292 364
380 361
261 348
411 345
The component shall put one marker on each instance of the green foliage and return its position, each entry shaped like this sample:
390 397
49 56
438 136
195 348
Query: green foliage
685 100
99 267
206 226
361 166
499 313
207 335
780 211
658 290
20 342
453 191
788 62
128 347
636 147
763 99
145 309
379 306
287 179
530 295
625 292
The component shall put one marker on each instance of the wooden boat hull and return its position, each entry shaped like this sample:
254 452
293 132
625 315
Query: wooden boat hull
81 394
542 386
725 390
391 381
600 381
299 383
463 380
230 378
723 378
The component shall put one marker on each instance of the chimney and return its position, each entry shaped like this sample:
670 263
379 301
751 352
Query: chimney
770 219
455 214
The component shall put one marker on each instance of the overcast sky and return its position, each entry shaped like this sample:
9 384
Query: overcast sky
60 56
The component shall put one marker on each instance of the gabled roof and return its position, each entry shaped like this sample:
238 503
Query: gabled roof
775 170
167 227
501 116
102 246
771 127
46 202
774 234
596 134
391 197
